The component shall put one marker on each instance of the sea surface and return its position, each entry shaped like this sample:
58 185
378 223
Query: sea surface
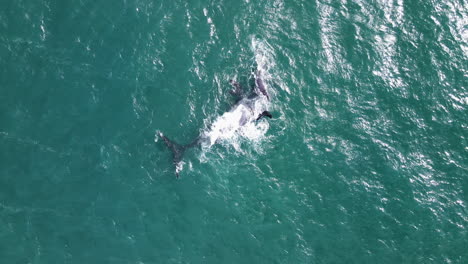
364 161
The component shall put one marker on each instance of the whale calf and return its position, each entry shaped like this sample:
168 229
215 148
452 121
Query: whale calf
250 107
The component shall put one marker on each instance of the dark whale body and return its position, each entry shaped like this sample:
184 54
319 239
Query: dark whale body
244 111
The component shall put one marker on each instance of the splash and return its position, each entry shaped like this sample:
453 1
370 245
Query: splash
240 123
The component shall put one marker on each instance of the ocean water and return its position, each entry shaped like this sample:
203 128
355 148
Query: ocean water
364 161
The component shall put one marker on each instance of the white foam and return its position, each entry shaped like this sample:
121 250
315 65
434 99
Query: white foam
239 122
226 126
179 166
157 135
264 56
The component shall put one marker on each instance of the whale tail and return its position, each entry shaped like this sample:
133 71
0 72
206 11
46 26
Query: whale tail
177 151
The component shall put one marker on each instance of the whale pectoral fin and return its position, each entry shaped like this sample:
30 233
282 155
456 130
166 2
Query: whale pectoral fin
265 113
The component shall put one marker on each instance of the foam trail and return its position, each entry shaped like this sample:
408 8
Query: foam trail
263 56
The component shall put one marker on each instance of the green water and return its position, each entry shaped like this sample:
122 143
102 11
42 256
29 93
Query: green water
365 160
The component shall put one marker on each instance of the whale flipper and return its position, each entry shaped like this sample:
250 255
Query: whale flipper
265 113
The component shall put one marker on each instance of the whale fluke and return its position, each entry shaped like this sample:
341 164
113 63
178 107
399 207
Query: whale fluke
177 152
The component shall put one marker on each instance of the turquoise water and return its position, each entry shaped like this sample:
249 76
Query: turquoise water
365 160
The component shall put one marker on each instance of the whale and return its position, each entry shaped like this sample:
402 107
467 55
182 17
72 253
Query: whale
250 107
